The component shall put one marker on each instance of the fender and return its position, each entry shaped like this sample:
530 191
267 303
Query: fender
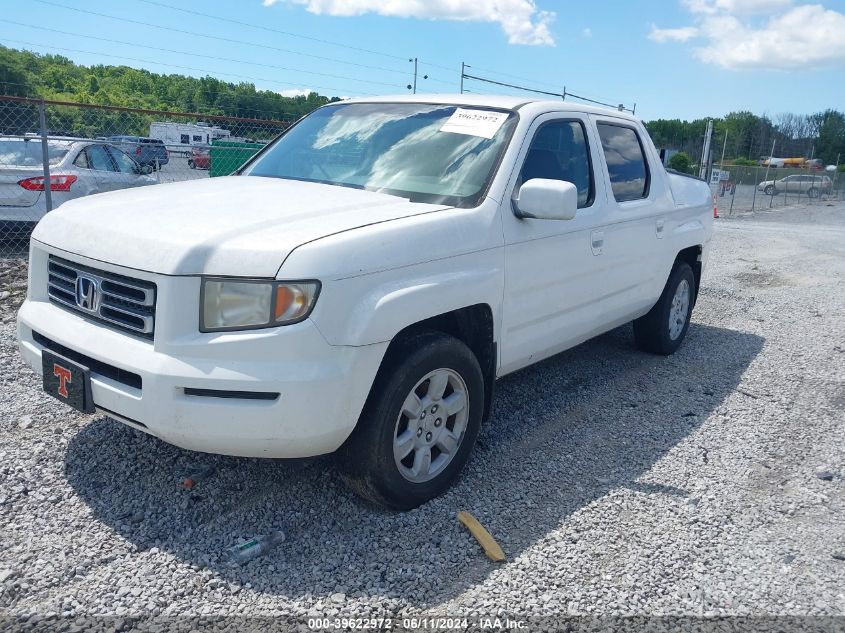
379 279
374 308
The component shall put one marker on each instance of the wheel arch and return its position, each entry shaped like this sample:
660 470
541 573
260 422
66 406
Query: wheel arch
474 326
692 255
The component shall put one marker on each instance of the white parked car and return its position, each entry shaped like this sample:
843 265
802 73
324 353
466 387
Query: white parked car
362 282
77 168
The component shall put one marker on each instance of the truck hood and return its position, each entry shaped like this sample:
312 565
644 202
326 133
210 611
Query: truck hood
235 226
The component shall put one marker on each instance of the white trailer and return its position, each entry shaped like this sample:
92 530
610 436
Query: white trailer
184 136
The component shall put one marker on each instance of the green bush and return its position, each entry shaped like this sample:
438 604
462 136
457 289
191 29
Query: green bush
744 162
841 168
680 162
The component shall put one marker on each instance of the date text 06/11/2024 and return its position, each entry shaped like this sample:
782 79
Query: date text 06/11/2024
418 624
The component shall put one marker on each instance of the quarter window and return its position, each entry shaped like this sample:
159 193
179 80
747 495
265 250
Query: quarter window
626 163
559 152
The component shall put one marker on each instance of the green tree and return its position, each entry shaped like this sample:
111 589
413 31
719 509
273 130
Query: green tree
831 140
680 162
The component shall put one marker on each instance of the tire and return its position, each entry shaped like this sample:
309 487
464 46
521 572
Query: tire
416 366
769 190
191 163
663 329
812 192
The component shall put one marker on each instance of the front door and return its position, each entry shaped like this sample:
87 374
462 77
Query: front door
555 273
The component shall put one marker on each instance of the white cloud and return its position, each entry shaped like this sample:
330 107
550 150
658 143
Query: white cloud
762 34
296 92
681 34
744 7
587 32
521 20
803 37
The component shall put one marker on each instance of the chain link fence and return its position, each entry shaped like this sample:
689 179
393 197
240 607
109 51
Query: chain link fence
52 152
739 189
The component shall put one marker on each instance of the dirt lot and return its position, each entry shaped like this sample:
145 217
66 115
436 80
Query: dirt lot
710 483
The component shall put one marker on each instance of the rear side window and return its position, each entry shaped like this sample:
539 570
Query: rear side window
559 152
626 163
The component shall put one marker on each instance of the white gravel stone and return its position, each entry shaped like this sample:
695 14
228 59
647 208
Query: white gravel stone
617 483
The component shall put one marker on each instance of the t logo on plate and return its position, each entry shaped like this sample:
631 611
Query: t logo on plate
63 375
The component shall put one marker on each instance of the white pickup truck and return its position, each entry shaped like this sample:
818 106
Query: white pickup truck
360 284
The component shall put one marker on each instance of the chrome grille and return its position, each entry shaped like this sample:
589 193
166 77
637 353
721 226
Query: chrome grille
126 303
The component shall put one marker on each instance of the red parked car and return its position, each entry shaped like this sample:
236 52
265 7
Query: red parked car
200 159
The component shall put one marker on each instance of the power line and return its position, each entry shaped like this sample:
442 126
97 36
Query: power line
500 83
169 50
219 38
563 95
234 100
272 30
147 61
518 77
292 34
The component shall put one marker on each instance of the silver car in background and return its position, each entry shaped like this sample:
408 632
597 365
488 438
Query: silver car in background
78 168
810 184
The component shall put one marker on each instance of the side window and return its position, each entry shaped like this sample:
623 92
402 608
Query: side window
125 165
198 138
626 163
559 151
99 159
185 138
81 160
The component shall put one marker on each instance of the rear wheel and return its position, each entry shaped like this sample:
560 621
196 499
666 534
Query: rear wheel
813 192
663 329
419 424
191 163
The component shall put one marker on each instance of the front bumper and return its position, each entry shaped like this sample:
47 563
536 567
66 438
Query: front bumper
322 388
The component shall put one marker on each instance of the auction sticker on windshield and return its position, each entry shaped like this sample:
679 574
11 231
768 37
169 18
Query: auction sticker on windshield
483 123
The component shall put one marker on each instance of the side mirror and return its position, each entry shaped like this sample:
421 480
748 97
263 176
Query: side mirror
545 199
146 169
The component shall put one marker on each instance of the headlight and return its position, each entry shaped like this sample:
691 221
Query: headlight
245 305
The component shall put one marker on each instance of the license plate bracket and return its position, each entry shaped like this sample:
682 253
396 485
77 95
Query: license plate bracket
67 381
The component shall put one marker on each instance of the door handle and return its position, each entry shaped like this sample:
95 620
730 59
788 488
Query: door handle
658 227
597 242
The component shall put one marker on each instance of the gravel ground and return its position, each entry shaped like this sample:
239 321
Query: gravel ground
618 483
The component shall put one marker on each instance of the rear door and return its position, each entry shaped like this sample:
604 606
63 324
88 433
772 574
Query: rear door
98 169
638 219
128 171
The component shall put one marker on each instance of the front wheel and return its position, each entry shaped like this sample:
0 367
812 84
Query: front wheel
663 329
813 192
419 424
191 163
769 190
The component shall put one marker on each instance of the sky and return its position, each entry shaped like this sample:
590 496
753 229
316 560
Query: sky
672 58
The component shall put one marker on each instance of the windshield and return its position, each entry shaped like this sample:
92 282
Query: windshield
441 154
28 153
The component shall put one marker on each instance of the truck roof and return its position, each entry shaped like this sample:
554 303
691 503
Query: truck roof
507 102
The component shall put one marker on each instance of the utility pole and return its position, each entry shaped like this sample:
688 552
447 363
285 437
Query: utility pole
766 177
463 68
414 86
705 151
